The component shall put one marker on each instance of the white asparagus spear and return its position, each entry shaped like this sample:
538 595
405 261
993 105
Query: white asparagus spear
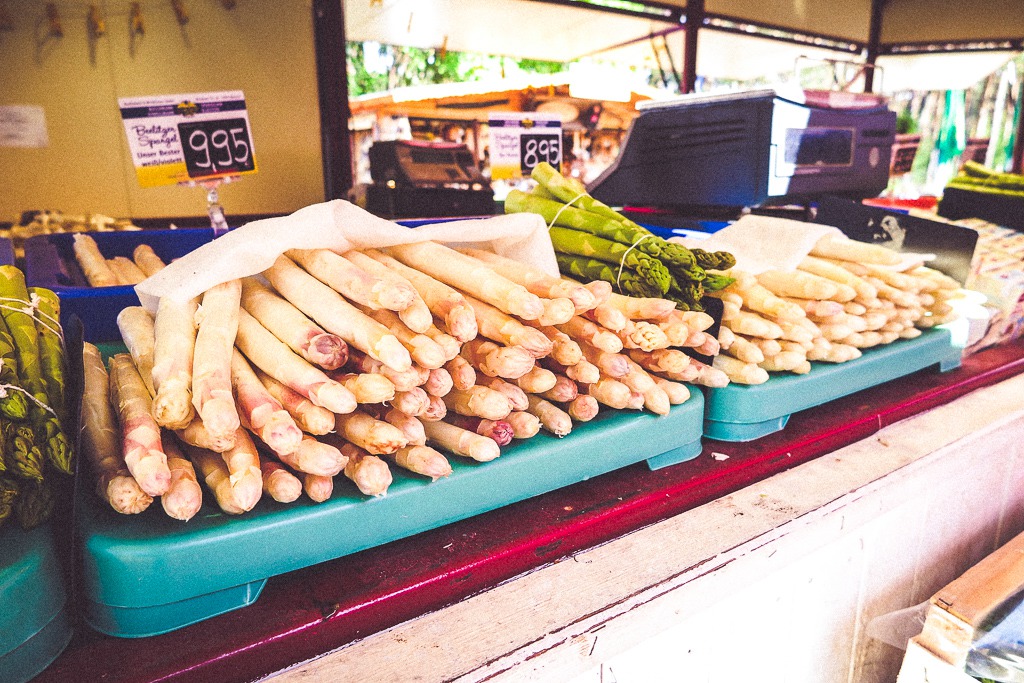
846 249
184 495
214 473
375 436
741 372
552 418
290 325
469 275
416 315
404 380
641 308
479 401
524 425
583 408
278 482
461 441
273 357
310 418
504 329
244 474
125 270
319 488
147 260
316 457
608 317
100 440
140 435
462 373
173 356
367 387
336 315
439 383
583 372
94 266
582 330
449 344
435 411
610 392
677 392
217 320
351 281
422 460
537 380
410 426
370 474
507 362
564 349
196 434
139 335
444 302
556 311
422 349
536 281
515 395
258 408
415 402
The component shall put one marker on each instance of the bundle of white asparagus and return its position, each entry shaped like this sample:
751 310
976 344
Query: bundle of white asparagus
845 296
352 364
100 271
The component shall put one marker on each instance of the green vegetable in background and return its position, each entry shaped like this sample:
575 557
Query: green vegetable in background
34 504
588 269
714 260
13 403
51 349
579 243
26 342
24 457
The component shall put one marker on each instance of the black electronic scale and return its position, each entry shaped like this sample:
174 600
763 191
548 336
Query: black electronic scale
419 179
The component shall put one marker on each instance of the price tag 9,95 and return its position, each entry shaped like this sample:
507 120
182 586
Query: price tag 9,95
177 139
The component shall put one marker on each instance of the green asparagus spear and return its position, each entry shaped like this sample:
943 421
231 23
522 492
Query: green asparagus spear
34 504
588 269
26 342
714 260
8 493
578 243
627 233
567 191
24 456
51 348
13 403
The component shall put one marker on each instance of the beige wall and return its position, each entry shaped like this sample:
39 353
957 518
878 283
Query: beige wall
262 47
918 20
848 19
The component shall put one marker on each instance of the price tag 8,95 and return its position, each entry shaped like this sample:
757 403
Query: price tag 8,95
520 141
178 139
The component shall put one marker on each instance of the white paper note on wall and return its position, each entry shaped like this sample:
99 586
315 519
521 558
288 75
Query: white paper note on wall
23 125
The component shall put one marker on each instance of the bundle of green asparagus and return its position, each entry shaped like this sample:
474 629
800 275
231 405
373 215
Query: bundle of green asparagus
594 242
979 178
34 445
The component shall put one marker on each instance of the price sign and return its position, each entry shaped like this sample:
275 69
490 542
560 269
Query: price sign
537 147
518 142
216 147
177 139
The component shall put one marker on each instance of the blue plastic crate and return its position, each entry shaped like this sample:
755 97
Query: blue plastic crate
148 574
50 263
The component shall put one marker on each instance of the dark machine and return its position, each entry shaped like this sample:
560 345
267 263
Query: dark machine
418 179
749 149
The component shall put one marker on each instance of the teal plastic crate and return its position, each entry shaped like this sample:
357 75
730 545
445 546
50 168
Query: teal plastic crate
34 624
746 412
149 574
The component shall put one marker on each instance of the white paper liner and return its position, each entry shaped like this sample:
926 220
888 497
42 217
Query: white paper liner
762 243
340 226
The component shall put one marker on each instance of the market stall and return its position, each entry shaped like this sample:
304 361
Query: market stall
562 443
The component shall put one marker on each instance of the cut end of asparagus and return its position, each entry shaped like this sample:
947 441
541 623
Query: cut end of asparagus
172 407
125 496
220 417
328 351
183 500
247 487
152 473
